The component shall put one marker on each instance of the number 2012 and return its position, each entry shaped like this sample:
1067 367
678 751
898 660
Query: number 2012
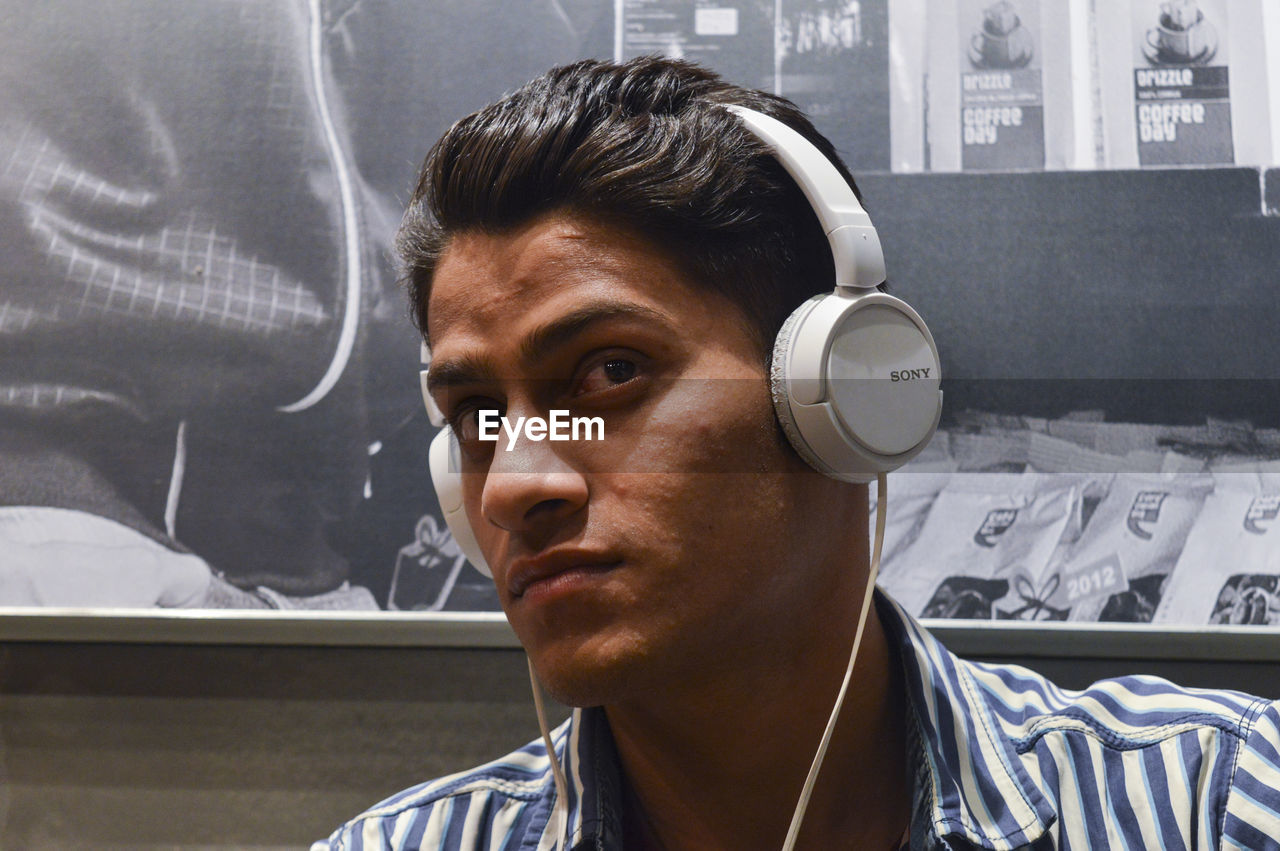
1092 582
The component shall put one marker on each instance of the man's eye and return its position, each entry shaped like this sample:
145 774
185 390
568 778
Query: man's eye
608 372
465 421
619 370
466 425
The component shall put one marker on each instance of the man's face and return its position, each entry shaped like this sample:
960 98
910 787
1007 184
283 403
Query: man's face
663 548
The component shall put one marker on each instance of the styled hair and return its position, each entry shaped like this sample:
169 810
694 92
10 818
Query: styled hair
644 145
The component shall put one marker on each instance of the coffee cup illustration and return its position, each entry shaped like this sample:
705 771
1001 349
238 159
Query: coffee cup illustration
1182 36
1002 41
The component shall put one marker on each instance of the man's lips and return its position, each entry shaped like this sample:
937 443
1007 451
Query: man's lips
525 572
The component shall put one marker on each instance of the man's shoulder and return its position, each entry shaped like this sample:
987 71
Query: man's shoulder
1124 712
1008 758
483 807
1137 755
1022 706
1141 755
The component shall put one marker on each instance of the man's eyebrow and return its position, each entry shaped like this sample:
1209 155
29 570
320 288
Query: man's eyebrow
466 369
542 340
472 369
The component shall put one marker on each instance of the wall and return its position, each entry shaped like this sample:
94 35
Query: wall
109 745
210 747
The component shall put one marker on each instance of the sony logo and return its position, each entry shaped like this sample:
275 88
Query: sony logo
909 374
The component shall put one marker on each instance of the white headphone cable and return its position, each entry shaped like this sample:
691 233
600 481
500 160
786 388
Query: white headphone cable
557 771
798 816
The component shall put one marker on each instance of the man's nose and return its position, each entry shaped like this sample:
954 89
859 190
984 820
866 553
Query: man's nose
531 487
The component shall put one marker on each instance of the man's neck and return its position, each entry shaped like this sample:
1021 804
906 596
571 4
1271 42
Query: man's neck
722 765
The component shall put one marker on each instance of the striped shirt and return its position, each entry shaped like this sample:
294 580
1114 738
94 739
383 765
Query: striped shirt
1001 759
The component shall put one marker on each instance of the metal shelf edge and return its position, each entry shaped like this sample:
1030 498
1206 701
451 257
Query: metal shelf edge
232 627
490 630
1109 641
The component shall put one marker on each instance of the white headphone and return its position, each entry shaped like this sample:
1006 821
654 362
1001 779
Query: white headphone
855 373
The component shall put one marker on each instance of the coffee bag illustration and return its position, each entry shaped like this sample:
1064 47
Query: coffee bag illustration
427 569
983 549
1229 571
1248 599
1000 91
1184 96
1184 82
1120 566
911 504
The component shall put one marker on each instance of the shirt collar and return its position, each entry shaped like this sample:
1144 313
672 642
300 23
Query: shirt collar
970 779
595 785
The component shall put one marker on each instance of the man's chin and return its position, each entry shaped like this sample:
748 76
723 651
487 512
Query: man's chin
590 674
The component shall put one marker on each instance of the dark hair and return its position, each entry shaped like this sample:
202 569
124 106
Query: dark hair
642 144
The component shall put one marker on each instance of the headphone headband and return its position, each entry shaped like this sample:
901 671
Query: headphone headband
855 245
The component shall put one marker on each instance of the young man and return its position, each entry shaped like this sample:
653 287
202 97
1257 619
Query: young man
614 242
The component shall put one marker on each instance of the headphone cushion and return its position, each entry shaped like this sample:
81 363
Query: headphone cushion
778 385
447 481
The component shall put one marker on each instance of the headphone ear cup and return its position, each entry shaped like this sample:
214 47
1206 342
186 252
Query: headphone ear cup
854 380
447 480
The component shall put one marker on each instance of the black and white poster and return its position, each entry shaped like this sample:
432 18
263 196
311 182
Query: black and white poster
1004 85
1001 85
831 57
736 39
1182 83
1186 82
208 388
